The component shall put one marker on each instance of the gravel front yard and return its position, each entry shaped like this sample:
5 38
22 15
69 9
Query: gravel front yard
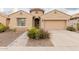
39 43
7 37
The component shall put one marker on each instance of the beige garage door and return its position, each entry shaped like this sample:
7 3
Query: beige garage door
55 25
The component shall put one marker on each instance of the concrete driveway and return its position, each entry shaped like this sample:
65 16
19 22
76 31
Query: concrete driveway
64 38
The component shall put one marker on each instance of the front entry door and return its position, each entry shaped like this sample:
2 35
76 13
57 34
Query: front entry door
37 22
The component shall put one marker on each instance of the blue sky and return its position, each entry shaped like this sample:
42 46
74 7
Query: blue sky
70 10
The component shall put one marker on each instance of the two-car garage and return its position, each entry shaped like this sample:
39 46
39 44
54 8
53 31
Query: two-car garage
55 20
55 25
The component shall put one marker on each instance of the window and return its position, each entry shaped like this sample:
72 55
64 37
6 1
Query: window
21 21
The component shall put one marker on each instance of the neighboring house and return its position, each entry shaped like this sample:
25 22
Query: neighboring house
21 20
74 20
3 19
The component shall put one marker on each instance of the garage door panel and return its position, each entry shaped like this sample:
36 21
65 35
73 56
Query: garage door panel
55 25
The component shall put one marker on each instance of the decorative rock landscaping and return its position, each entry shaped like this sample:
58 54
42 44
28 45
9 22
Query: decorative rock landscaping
8 37
39 43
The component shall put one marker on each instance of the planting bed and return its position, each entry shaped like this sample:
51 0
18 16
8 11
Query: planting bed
39 43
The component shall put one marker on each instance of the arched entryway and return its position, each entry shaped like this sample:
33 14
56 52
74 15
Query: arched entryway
36 22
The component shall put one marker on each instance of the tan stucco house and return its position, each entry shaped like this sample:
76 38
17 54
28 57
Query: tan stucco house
21 20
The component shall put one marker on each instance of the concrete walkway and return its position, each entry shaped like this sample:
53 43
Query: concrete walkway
21 41
65 38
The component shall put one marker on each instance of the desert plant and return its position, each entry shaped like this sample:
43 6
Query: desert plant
2 27
35 33
44 34
70 28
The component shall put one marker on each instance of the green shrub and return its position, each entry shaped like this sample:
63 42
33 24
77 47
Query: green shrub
35 33
2 28
71 28
32 33
44 34
77 26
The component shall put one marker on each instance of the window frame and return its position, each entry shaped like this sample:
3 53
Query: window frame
22 22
